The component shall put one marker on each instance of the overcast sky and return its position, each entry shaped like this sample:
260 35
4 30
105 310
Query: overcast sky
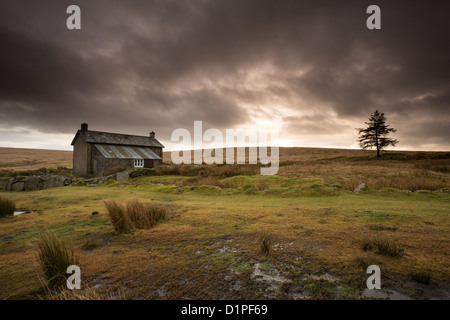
311 69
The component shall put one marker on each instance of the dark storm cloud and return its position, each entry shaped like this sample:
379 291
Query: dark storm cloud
138 65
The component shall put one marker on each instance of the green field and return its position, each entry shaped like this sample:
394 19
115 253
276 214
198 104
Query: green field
208 248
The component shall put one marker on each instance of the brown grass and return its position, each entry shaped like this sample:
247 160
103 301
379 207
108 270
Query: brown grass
54 258
385 247
85 294
7 206
19 159
265 243
403 170
134 215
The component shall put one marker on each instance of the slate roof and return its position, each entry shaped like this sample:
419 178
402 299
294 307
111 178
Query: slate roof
126 152
109 138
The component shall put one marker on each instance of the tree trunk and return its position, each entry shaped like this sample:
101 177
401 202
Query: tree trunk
376 141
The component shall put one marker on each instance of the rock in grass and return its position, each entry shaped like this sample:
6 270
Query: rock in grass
360 187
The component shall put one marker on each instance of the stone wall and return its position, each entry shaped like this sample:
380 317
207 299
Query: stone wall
40 182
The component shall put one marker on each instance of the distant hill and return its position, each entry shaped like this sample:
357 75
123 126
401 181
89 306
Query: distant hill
19 159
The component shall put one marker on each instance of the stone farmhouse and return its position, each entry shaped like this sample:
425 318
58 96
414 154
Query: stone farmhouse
100 153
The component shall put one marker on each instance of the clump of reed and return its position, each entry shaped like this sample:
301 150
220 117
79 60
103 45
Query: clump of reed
134 215
7 206
383 246
54 258
265 243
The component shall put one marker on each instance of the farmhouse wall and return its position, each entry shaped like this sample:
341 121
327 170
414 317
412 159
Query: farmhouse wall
82 157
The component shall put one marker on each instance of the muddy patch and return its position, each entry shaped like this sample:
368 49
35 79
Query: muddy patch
271 277
380 294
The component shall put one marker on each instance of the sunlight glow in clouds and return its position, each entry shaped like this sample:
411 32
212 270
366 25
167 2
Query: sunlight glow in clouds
311 69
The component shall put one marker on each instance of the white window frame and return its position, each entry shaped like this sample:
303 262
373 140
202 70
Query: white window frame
138 163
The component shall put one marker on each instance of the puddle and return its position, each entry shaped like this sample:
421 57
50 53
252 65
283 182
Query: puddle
19 212
325 276
378 294
227 249
282 246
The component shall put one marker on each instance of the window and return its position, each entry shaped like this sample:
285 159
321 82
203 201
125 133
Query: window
138 163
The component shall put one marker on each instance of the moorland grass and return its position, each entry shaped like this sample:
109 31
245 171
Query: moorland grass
381 246
265 243
118 217
86 294
90 245
7 207
134 215
305 208
423 277
54 258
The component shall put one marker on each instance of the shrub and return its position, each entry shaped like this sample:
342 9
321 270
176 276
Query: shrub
265 243
7 207
115 170
134 215
54 258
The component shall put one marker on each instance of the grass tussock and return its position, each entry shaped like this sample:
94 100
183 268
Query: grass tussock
7 207
383 246
423 277
54 258
134 215
118 217
265 243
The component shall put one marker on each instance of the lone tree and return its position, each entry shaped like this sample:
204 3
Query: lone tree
375 135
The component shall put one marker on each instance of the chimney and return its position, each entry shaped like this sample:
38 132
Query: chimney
152 134
84 127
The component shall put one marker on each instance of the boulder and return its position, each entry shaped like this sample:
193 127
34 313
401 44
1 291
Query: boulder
17 186
110 177
34 183
92 181
122 176
54 182
3 184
